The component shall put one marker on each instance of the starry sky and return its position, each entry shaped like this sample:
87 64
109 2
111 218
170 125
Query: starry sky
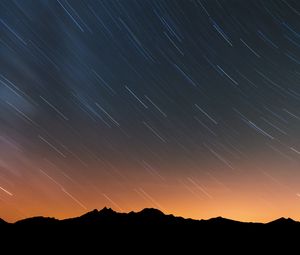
192 107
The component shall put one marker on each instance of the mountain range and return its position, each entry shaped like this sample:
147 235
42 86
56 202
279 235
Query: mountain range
146 217
153 227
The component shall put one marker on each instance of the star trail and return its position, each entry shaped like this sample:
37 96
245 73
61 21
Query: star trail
192 107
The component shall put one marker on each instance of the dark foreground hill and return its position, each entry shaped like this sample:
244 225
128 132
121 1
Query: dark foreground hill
153 228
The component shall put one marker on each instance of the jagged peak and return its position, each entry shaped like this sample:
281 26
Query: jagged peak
106 210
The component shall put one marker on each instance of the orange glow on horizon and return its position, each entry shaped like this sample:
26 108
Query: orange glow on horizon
250 193
250 199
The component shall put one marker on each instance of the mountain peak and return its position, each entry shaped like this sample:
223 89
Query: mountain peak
283 220
151 211
106 210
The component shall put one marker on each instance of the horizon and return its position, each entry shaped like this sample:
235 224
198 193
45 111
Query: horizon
191 107
148 208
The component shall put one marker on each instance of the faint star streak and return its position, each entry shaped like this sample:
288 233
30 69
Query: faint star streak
200 188
64 190
75 199
6 191
52 146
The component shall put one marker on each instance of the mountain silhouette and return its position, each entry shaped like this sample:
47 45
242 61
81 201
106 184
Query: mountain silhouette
153 228
147 216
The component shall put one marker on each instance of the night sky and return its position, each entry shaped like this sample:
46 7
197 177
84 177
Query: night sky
191 107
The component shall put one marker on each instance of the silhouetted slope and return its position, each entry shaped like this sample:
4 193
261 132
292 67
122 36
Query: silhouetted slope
284 221
37 221
3 222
